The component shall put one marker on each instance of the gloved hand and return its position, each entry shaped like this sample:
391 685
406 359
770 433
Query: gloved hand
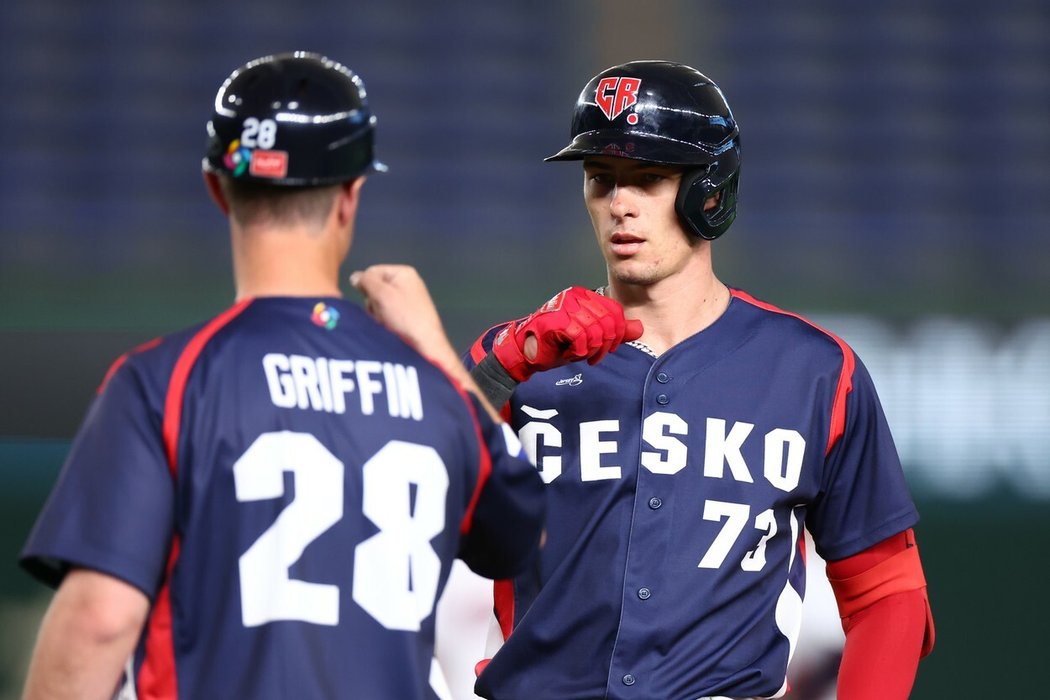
575 324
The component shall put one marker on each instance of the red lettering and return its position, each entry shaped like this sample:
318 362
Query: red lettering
614 95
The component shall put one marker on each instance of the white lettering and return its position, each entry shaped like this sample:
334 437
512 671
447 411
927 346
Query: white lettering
722 449
366 385
304 373
530 434
405 400
663 432
673 452
592 447
338 377
539 414
322 384
780 469
282 387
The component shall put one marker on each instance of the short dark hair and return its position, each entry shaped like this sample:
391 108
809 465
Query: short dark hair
253 203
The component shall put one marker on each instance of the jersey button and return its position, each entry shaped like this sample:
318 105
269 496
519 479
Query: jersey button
628 679
662 399
663 378
655 503
644 593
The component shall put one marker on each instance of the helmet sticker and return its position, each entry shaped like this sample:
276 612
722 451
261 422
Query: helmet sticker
259 163
269 164
237 158
614 95
259 133
293 119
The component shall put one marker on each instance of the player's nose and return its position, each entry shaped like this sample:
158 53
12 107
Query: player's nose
622 202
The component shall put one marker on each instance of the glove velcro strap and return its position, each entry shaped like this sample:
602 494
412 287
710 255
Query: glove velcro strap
494 381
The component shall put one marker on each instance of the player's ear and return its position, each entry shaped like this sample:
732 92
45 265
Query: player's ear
348 198
211 181
712 201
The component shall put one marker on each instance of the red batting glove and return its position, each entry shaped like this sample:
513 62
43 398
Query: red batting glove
575 324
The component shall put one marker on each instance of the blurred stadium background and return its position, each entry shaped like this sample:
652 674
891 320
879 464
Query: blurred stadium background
895 187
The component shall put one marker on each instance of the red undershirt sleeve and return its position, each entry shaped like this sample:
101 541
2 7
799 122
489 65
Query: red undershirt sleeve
881 594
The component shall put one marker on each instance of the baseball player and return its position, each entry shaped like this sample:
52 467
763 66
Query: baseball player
268 504
683 468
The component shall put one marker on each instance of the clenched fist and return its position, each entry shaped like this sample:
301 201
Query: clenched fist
576 324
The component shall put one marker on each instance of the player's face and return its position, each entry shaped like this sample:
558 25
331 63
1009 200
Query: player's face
631 203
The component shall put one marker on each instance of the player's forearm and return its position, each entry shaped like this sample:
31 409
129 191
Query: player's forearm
466 381
883 645
87 636
70 671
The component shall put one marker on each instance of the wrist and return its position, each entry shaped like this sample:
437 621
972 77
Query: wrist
508 352
493 380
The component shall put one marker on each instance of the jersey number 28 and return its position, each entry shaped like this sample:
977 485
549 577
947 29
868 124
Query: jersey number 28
396 571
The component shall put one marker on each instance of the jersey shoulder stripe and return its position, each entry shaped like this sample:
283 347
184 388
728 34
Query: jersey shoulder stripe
845 383
119 362
157 677
179 376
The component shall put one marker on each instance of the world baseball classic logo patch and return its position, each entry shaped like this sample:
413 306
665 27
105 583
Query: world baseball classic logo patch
324 316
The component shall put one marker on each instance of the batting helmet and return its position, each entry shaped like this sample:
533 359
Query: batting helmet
667 113
291 119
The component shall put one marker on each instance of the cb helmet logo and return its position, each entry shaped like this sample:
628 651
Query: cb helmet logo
613 95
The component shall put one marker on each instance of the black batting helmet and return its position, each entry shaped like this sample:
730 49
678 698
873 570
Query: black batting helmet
291 119
667 113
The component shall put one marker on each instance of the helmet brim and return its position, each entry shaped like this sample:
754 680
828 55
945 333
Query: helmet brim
636 146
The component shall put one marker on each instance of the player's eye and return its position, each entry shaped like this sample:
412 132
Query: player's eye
600 179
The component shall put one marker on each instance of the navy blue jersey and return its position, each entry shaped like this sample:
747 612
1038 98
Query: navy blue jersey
289 484
678 491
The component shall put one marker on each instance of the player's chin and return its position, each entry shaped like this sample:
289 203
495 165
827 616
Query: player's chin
626 273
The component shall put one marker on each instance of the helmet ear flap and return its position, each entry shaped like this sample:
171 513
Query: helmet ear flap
700 184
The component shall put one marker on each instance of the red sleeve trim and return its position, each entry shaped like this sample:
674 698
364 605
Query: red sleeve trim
503 605
484 467
180 374
484 457
119 362
157 679
837 427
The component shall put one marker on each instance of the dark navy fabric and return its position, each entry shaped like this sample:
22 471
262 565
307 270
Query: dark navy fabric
679 488
309 467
